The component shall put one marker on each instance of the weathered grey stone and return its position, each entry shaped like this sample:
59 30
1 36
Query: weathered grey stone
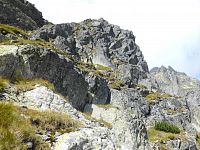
96 138
170 81
99 90
42 98
172 110
39 62
125 114
193 101
98 42
99 112
182 145
20 13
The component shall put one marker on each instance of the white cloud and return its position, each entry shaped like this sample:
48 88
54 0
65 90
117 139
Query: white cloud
167 31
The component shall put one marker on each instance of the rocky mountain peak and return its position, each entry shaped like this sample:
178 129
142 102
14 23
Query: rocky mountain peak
163 69
98 42
170 81
87 86
20 13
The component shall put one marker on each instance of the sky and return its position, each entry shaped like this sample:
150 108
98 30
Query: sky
167 31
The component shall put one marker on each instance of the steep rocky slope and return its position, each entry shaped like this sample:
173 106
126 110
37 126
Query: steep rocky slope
83 84
87 86
20 13
98 42
180 105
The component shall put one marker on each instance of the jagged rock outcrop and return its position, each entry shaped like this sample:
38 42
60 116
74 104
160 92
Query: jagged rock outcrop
20 13
95 68
126 113
180 108
98 42
193 100
168 80
32 61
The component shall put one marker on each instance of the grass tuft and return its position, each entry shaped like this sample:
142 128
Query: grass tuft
117 84
12 29
101 67
166 127
157 95
19 125
27 84
3 83
162 137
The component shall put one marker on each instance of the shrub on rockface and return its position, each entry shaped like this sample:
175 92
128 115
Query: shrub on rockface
166 127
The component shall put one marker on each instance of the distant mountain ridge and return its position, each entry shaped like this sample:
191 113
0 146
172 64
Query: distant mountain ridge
170 81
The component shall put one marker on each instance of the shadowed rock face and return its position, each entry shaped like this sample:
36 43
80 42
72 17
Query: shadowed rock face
20 13
33 61
98 42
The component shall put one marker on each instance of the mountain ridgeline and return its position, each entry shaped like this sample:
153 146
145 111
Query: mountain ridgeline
86 85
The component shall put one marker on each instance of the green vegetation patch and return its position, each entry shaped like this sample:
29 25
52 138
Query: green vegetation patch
12 30
161 136
101 67
117 84
166 127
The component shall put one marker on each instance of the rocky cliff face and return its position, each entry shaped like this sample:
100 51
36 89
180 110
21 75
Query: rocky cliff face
94 73
98 42
20 13
59 54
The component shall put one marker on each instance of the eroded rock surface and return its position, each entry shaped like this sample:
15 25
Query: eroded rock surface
32 61
170 81
98 42
20 13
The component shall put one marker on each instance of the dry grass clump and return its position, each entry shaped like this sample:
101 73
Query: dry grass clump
26 84
19 125
3 83
12 29
157 96
117 84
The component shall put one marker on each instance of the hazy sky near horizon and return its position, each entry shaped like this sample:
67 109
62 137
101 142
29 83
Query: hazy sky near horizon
167 31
